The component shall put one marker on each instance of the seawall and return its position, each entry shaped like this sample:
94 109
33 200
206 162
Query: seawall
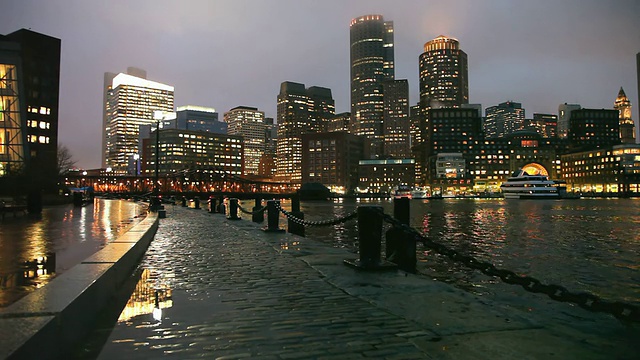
51 320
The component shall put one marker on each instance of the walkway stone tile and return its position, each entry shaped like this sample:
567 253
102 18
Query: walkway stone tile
240 293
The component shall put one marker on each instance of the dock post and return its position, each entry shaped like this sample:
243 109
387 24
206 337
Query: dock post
212 204
401 247
257 217
296 228
370 239
273 216
222 209
233 209
196 203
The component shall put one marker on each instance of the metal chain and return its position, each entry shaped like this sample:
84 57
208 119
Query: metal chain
336 221
252 212
585 300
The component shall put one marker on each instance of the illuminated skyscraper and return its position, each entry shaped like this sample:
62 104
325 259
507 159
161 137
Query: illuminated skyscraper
300 111
396 119
444 80
372 62
249 123
131 102
627 127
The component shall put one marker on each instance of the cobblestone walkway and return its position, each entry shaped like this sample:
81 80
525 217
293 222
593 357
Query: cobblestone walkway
238 292
236 296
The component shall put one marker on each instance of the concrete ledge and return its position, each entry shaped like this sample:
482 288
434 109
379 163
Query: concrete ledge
49 321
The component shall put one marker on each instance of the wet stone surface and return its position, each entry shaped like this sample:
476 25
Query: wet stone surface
236 295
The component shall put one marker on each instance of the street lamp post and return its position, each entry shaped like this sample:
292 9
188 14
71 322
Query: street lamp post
157 116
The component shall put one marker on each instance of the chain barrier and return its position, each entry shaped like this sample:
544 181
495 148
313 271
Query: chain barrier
336 221
585 300
251 212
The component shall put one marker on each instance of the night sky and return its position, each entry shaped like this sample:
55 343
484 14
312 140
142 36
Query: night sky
223 54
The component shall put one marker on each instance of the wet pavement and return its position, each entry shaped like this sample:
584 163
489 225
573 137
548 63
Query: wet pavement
221 289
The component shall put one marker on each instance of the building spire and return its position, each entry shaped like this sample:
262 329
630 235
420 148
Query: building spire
621 93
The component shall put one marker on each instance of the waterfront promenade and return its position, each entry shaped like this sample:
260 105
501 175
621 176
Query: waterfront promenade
238 292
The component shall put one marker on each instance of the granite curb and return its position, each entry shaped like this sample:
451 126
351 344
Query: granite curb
49 321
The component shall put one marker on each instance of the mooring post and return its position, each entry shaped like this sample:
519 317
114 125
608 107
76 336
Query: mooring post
370 219
401 247
184 201
273 216
196 203
233 209
212 204
221 208
294 227
257 217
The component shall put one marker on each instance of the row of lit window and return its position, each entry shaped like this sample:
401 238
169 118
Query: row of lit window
38 124
39 110
38 139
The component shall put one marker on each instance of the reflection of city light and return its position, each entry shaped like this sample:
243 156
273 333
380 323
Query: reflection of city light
149 297
157 314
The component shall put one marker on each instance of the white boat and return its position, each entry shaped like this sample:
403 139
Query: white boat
402 191
419 193
521 185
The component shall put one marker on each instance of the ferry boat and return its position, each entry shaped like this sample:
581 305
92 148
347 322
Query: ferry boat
402 191
521 185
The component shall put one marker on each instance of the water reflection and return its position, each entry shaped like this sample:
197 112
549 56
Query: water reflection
584 245
149 297
71 234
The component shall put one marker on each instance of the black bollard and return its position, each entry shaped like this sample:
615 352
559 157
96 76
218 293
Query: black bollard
257 217
400 246
273 216
233 209
370 240
196 203
222 209
184 201
212 204
294 227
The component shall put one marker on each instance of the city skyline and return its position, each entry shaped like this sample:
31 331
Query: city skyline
228 54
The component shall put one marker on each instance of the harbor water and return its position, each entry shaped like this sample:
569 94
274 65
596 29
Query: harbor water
33 250
586 244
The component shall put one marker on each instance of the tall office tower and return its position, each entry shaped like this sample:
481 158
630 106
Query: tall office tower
544 124
638 81
627 127
13 147
267 166
397 143
593 128
249 123
40 70
503 119
323 108
340 122
564 115
372 62
444 80
131 102
108 81
299 112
